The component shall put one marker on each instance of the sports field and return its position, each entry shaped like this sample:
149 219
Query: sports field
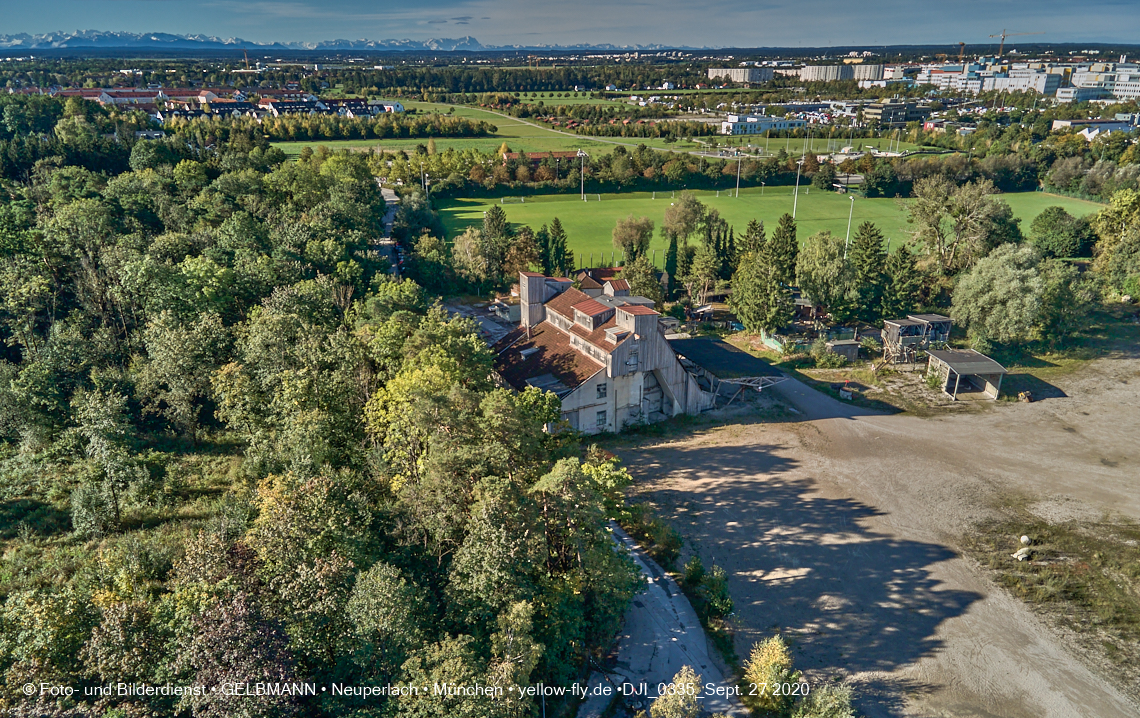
589 225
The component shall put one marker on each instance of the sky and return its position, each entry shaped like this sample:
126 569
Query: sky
695 23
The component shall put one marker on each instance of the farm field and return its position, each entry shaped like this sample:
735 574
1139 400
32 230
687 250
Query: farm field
589 224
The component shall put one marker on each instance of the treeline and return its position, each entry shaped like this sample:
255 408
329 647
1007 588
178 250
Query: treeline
35 129
670 130
465 79
390 125
235 451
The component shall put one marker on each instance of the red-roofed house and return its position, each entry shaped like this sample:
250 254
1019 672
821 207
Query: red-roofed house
605 356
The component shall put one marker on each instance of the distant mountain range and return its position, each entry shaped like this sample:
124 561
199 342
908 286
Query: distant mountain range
97 39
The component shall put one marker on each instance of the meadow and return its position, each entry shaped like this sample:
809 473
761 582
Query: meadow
589 225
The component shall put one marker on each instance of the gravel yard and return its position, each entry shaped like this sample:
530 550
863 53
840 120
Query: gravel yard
843 528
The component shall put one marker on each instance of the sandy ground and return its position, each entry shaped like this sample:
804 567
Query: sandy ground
839 529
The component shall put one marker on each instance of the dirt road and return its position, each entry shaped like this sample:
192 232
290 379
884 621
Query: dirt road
839 529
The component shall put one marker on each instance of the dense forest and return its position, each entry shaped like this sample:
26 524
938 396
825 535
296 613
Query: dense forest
234 449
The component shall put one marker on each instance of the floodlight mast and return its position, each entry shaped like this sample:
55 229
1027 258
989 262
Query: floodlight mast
582 155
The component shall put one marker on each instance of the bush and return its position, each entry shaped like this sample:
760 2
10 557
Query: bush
824 357
870 346
769 663
663 541
934 380
694 571
714 591
680 700
92 514
826 701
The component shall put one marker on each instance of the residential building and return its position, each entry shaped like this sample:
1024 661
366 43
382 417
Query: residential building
741 74
827 73
277 108
387 105
1017 80
868 72
757 125
606 357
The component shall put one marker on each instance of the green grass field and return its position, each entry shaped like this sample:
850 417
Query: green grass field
590 224
521 136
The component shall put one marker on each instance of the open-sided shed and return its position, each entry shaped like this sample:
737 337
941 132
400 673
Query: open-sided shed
720 367
965 370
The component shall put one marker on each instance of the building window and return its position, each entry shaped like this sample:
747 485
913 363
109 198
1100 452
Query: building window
602 390
601 419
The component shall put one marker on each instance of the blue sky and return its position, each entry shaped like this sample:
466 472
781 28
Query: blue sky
742 23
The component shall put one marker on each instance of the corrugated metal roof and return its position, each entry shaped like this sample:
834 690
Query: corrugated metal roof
967 361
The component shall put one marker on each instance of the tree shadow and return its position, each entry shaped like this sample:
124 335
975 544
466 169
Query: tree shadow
38 517
849 598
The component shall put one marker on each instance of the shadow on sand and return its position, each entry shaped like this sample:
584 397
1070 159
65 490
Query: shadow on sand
850 599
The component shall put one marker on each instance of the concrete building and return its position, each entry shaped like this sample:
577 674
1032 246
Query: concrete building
868 72
606 357
757 125
827 73
1066 95
895 113
1045 83
741 74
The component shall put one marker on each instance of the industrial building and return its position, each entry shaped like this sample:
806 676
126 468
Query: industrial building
606 357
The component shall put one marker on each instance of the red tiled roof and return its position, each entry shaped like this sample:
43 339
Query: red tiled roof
554 356
619 284
587 282
637 310
531 274
564 303
591 307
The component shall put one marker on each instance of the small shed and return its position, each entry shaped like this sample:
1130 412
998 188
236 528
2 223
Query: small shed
965 371
846 348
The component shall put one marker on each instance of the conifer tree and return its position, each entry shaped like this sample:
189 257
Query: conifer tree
753 238
901 284
867 260
760 300
785 250
561 256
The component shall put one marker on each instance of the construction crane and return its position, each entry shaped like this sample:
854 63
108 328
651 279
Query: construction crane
246 58
1005 34
961 52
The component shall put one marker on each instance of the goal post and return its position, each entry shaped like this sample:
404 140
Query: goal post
512 200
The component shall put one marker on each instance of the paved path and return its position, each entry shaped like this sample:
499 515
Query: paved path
661 634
